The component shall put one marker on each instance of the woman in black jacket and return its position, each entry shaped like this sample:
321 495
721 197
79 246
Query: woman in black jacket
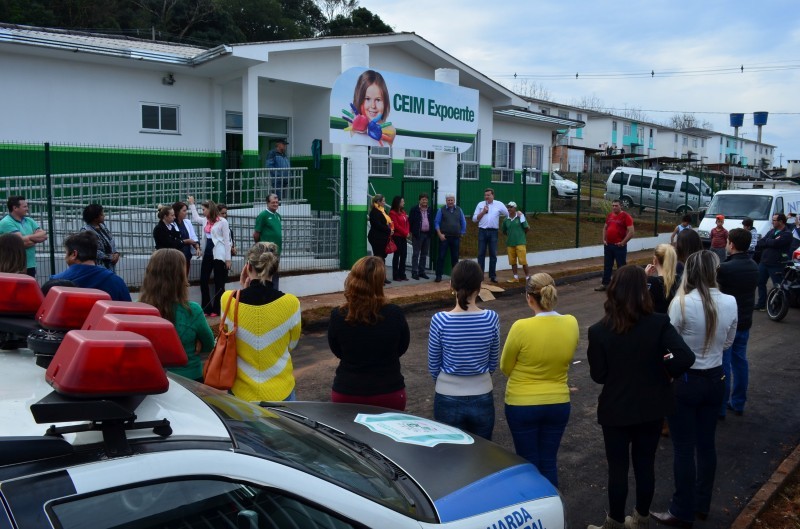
165 234
634 352
380 228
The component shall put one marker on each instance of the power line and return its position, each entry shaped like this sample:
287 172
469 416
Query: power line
776 66
695 111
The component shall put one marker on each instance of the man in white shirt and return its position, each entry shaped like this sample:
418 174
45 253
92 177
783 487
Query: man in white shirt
487 215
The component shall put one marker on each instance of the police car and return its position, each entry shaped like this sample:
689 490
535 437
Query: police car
103 437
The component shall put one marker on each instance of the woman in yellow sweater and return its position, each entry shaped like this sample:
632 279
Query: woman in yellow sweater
269 328
535 358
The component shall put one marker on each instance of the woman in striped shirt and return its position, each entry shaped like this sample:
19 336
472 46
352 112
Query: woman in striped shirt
463 350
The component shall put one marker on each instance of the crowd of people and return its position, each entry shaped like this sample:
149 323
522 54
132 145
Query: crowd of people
670 345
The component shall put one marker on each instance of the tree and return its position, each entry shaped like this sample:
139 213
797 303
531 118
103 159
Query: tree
532 89
687 120
360 22
333 8
591 102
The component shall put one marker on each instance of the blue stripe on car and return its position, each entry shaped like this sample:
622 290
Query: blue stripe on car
508 487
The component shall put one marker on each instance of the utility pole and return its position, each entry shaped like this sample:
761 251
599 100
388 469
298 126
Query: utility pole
780 160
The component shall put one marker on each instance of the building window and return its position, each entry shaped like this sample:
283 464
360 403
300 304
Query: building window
418 163
694 142
532 163
545 111
651 133
614 126
579 117
468 160
676 138
626 129
159 118
703 144
502 161
685 141
563 114
380 161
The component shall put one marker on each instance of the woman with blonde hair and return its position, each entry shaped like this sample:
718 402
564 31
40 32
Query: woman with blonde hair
368 336
463 347
12 254
165 287
661 277
380 228
269 329
707 319
536 357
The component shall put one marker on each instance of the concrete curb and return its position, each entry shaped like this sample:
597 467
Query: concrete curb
768 491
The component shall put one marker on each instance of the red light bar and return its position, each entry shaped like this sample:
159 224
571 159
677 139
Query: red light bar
160 332
103 307
94 364
67 307
19 294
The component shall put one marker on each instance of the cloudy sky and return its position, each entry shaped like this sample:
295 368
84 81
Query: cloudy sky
696 52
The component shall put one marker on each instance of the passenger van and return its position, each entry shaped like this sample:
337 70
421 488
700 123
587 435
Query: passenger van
758 204
657 189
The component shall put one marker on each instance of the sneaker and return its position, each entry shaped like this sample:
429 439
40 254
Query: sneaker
513 280
601 288
437 280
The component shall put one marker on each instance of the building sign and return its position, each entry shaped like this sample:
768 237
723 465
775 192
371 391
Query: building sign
379 108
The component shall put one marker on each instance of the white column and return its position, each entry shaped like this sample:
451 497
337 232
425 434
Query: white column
445 164
354 55
250 110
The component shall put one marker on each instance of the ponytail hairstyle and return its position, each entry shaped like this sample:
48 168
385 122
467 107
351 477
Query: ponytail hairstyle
668 259
466 280
263 259
542 288
163 211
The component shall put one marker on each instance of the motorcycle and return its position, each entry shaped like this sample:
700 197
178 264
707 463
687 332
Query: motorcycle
786 294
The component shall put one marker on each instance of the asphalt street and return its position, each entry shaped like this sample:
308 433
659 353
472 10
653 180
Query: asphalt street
749 447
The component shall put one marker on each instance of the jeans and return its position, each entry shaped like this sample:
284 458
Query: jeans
419 252
774 272
399 258
613 253
488 238
453 242
698 396
734 364
471 413
210 303
537 432
641 442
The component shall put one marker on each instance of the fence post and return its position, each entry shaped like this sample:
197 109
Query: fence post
224 177
343 216
578 215
51 229
525 189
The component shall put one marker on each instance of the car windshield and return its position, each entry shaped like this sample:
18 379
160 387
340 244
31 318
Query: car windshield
757 207
267 434
557 176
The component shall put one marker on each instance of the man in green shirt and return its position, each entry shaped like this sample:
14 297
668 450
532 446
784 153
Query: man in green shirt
516 226
268 228
17 221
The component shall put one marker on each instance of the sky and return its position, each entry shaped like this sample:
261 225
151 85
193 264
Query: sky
696 51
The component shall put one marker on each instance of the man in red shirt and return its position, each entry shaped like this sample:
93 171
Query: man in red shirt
616 234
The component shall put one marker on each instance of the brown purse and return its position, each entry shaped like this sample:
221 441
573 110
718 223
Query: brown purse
219 371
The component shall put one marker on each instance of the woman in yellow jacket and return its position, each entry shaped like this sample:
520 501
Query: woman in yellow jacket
536 357
269 328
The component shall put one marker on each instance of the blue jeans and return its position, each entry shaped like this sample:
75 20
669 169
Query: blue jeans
611 254
734 364
537 432
453 243
488 238
774 272
698 396
419 252
471 413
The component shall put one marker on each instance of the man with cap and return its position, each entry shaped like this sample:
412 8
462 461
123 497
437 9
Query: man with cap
515 227
719 238
277 159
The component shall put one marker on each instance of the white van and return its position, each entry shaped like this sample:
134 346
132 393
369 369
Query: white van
758 204
657 189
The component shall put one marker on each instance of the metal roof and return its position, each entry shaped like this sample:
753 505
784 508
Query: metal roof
541 118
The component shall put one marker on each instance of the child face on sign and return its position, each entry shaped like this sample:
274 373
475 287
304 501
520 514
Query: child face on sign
373 102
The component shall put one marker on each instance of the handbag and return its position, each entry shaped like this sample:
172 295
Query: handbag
391 247
220 368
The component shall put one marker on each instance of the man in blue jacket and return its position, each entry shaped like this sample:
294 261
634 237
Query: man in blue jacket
82 270
774 254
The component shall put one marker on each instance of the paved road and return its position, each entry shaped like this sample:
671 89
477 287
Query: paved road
749 447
